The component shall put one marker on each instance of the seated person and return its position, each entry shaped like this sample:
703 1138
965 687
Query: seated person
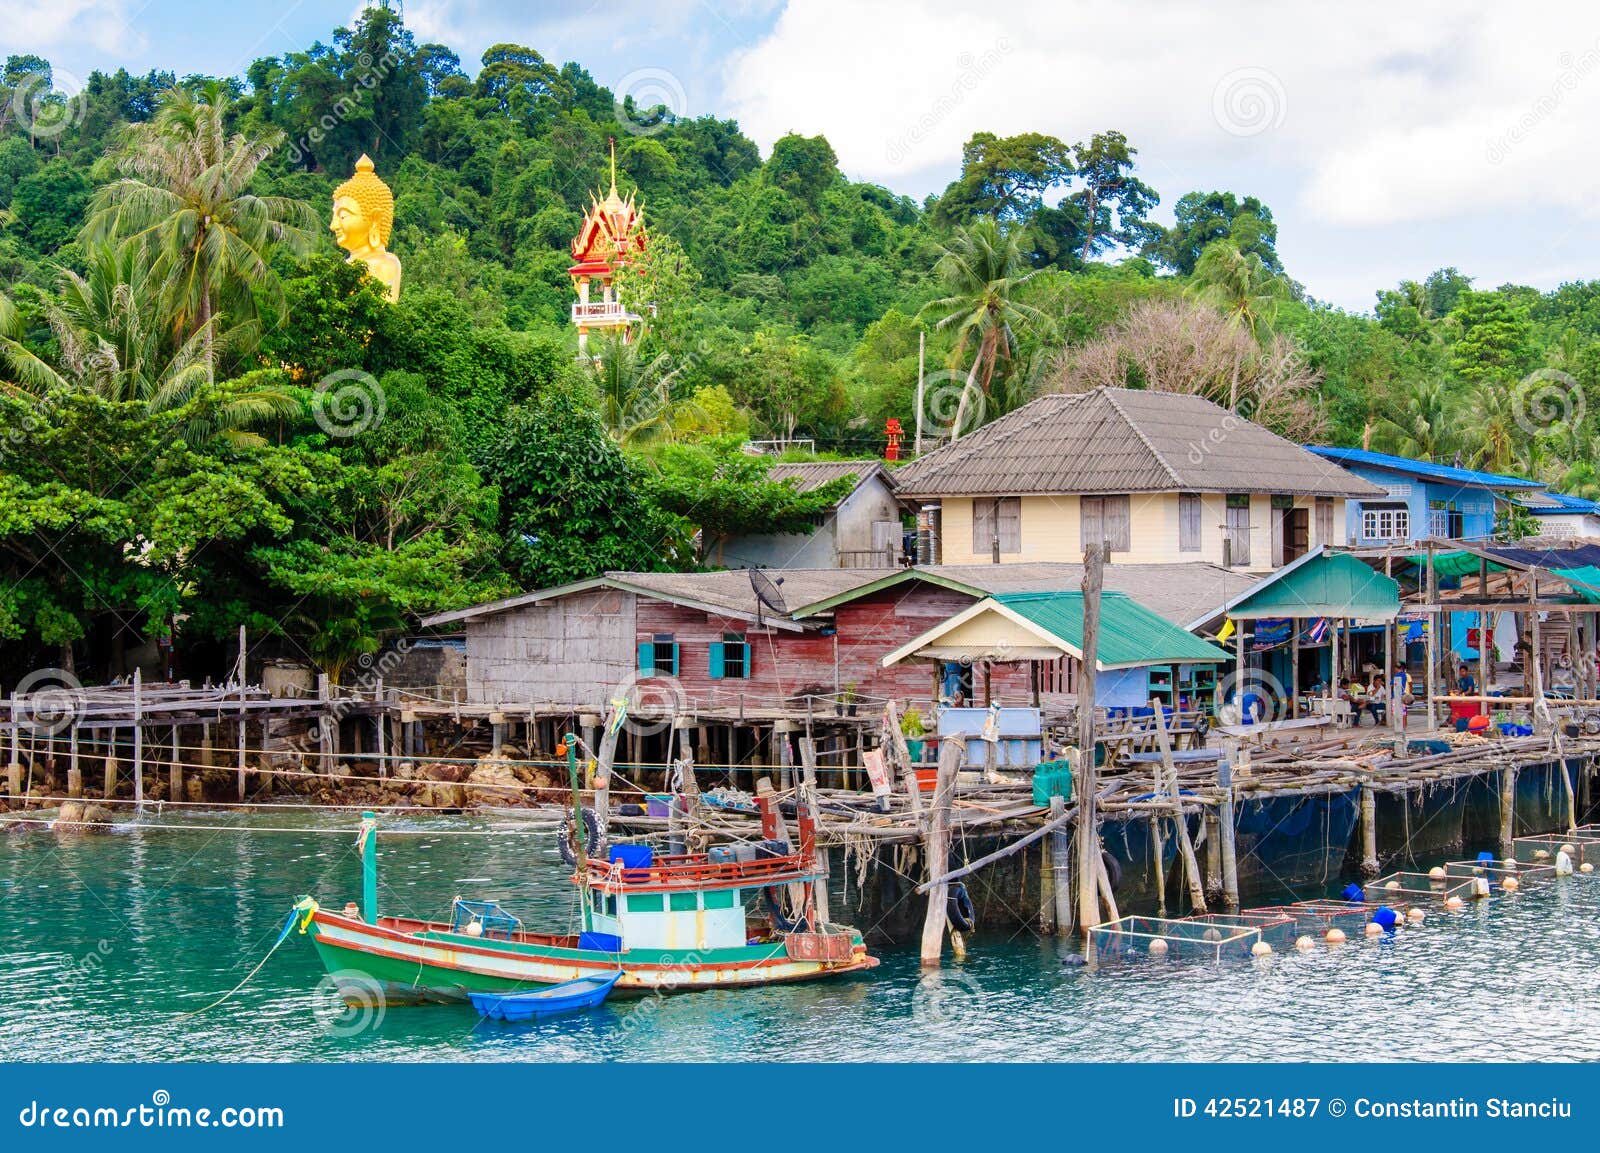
1378 700
1466 683
1356 693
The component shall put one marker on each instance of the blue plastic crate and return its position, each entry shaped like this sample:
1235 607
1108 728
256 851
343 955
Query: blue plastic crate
633 856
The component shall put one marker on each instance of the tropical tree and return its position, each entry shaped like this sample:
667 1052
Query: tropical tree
635 389
1421 422
982 270
184 203
1241 285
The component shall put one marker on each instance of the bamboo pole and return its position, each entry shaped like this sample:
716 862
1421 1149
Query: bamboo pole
1088 832
138 738
952 751
1061 865
1230 854
1369 833
1508 805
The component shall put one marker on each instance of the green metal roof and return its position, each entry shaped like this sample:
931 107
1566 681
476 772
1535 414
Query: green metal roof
1323 585
1585 582
1130 634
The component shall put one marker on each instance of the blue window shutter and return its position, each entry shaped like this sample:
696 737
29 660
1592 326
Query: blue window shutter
744 652
647 658
717 659
675 665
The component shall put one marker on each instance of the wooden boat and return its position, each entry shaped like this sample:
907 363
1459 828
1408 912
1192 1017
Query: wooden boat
568 997
670 923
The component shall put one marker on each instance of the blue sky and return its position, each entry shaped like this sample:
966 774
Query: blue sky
1388 139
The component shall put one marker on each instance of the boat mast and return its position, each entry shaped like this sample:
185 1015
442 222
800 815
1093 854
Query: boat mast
570 743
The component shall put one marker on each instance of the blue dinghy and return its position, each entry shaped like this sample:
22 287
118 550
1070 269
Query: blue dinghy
584 993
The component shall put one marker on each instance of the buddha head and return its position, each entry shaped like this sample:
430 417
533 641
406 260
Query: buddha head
363 214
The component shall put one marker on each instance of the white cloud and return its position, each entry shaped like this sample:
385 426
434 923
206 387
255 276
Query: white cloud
1374 113
35 25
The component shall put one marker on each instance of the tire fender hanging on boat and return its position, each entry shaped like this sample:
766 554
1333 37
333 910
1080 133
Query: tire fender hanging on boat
593 837
1113 869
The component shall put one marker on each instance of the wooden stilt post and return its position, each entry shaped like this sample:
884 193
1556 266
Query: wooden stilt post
1369 832
1508 807
1061 866
936 841
1534 670
138 740
1230 855
1213 856
74 773
1197 890
1089 863
175 771
784 752
1294 668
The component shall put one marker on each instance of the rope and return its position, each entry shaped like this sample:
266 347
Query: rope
386 833
304 907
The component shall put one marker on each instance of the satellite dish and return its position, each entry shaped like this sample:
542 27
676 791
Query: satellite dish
767 594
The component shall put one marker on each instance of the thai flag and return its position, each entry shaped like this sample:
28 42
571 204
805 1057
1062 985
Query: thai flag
1318 631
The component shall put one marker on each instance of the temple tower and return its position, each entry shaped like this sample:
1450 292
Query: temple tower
612 232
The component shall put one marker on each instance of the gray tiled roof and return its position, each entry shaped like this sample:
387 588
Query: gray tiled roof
1116 440
809 475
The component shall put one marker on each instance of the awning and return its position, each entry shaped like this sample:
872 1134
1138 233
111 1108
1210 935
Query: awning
1455 564
1585 582
1045 626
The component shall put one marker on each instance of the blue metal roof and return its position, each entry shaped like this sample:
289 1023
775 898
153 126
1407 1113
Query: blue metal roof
1465 477
1559 504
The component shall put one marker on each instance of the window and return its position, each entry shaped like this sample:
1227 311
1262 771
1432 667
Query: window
658 657
1106 520
1189 522
721 898
730 657
997 520
645 903
1445 520
1325 520
1237 526
1385 522
682 902
1054 676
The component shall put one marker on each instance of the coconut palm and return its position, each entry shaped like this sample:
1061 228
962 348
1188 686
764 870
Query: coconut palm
1243 288
635 391
1421 423
982 269
184 204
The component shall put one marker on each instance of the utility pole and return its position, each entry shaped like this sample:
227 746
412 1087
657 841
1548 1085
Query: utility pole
922 348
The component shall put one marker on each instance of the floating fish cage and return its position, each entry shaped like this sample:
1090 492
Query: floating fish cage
1160 938
1320 916
1420 888
1277 928
1497 872
1582 845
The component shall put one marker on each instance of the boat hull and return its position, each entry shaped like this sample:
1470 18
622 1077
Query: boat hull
408 965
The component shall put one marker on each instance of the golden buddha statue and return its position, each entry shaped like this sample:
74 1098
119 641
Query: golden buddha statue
363 214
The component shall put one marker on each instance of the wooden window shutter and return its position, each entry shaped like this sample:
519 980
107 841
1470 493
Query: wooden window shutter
1091 515
717 659
1009 515
1119 522
1189 506
1324 520
647 658
983 526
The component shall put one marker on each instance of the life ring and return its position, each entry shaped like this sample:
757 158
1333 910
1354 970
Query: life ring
1113 869
593 837
962 915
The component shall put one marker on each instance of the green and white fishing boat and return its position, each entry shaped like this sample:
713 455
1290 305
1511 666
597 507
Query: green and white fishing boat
734 915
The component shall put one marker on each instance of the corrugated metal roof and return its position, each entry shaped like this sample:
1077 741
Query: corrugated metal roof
1557 504
1116 440
1130 634
1423 469
1324 585
810 475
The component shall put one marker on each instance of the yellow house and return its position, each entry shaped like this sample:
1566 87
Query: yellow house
1160 477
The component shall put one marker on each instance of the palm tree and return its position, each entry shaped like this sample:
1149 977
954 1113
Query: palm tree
1421 423
982 268
184 203
635 392
1241 285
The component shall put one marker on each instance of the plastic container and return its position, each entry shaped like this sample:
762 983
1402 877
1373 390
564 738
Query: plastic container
600 942
657 805
633 856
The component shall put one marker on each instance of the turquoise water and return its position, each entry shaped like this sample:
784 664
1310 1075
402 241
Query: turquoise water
107 941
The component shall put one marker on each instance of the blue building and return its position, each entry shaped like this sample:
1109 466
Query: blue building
1422 501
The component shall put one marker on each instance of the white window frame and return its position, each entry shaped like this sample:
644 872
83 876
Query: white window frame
1385 523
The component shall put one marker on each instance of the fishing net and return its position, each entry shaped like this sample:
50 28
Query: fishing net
1496 872
1160 938
1277 928
1420 888
1582 845
1318 917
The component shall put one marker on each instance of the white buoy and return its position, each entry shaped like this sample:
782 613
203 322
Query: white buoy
1570 850
1511 884
1480 887
1335 936
1436 873
1415 915
1586 867
1454 904
1305 944
1541 854
1158 948
1260 949
474 928
1212 935
1392 885
1374 929
1563 864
